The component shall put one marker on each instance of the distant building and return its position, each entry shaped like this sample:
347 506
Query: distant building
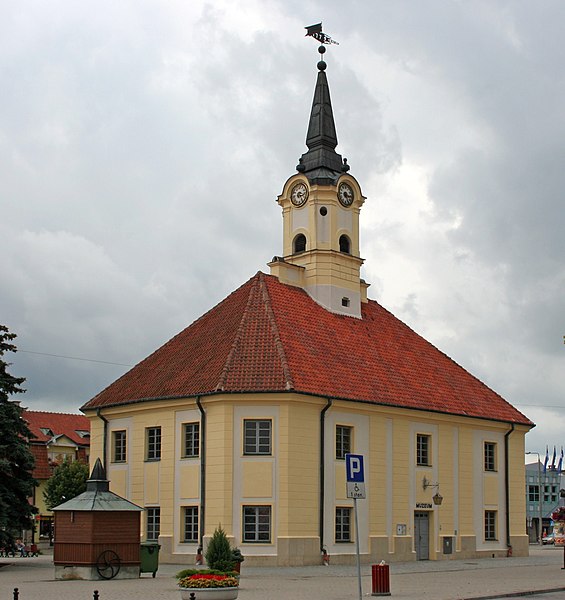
542 498
57 437
245 418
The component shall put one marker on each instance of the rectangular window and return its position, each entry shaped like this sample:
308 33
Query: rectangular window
533 493
119 446
256 524
342 524
191 440
190 533
423 447
257 436
153 523
490 525
342 441
490 456
153 443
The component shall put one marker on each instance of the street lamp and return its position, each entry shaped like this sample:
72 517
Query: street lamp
540 530
437 497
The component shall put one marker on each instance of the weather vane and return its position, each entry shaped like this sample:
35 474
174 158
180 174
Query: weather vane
316 32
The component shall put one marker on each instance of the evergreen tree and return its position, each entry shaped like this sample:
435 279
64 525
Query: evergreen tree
68 480
219 552
16 459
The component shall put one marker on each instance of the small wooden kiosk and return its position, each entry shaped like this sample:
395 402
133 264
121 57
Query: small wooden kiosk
97 533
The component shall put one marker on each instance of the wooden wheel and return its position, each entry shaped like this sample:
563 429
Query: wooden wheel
108 564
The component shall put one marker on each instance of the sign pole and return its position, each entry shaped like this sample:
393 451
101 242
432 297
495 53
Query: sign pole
355 475
357 549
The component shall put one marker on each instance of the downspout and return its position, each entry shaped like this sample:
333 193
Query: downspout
323 472
202 472
507 489
105 438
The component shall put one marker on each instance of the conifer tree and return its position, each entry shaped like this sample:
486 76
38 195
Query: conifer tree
219 552
16 459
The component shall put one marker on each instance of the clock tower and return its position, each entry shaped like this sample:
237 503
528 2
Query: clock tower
321 205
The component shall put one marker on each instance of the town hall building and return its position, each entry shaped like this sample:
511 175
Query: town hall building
245 417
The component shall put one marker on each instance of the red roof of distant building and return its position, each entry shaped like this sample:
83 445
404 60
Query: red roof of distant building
46 425
271 337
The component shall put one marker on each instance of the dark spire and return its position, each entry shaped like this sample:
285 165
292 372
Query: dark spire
97 481
321 164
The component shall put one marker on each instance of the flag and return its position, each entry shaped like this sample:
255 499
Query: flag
560 463
553 459
546 459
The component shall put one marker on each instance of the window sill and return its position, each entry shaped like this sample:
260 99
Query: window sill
258 543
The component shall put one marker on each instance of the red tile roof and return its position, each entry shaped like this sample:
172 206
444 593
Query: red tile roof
271 337
58 423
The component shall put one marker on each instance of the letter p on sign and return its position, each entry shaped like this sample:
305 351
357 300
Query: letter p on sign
354 468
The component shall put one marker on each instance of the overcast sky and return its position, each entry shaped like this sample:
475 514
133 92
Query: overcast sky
143 144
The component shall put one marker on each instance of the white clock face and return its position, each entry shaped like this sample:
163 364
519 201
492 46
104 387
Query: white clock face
299 194
345 194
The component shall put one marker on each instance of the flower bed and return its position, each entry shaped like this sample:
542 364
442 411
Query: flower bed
208 580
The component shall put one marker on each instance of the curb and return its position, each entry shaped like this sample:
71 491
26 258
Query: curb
517 594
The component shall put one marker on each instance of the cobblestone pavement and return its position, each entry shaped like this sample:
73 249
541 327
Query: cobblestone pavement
437 580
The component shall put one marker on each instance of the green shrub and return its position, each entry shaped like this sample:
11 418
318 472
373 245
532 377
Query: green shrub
219 552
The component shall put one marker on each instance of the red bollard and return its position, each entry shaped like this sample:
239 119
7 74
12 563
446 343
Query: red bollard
381 580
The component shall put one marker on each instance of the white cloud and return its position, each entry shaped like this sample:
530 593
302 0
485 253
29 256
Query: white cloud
142 147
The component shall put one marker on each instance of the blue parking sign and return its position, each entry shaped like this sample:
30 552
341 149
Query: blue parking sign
354 468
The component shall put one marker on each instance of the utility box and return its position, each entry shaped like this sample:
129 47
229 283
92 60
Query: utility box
448 545
149 557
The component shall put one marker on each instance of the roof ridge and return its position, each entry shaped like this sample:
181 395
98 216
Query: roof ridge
289 383
51 412
258 291
226 369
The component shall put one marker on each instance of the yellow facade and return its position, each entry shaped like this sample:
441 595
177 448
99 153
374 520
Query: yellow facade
287 479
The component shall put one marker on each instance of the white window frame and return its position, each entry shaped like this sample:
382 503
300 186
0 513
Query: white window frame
190 522
343 525
256 523
191 439
153 443
257 437
153 521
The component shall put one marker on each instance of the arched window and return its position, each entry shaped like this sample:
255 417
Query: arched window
344 244
299 244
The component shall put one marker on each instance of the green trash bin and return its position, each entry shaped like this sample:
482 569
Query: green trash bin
149 557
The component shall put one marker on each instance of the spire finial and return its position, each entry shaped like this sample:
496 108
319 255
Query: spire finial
316 32
321 164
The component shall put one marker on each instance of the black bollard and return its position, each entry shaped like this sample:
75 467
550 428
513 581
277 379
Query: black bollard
192 595
16 593
95 596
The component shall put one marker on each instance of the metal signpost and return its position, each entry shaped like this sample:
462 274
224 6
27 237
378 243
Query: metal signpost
356 489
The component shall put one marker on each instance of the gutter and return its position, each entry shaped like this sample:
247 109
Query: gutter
323 471
105 438
506 488
202 471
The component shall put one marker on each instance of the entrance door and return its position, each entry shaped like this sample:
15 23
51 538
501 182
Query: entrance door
421 535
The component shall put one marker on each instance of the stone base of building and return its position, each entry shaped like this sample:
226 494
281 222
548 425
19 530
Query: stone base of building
90 573
298 552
